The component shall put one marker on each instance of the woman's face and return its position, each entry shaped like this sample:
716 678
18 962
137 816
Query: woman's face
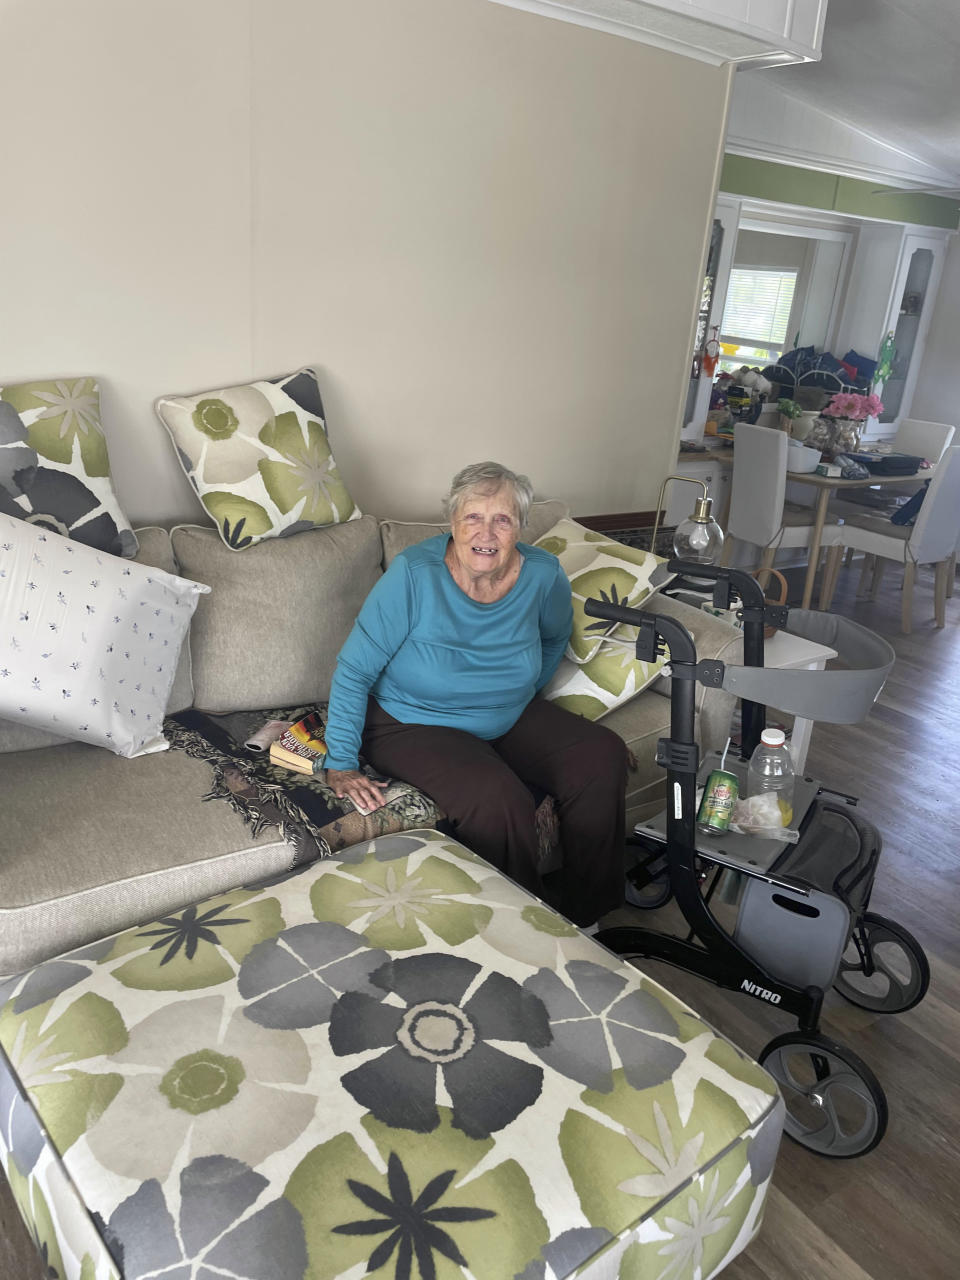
485 531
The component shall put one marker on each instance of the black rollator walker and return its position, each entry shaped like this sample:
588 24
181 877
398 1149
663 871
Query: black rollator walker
803 924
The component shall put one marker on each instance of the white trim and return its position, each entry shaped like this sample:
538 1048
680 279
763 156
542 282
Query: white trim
806 230
768 48
855 219
870 172
579 18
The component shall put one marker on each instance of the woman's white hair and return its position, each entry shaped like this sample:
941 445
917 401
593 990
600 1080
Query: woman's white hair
487 478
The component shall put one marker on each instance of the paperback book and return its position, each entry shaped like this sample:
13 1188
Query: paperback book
301 746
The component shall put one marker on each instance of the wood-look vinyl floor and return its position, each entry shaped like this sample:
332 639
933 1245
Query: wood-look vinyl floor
893 1214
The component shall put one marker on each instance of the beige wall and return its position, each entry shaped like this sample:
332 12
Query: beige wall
484 226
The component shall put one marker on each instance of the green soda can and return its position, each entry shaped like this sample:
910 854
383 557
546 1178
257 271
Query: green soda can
716 806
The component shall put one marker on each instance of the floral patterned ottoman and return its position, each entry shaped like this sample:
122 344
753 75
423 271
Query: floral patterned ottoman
391 1062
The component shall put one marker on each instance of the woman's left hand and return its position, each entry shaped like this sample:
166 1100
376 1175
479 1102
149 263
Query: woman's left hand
366 793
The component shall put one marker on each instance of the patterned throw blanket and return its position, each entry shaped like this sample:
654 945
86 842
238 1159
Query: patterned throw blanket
301 806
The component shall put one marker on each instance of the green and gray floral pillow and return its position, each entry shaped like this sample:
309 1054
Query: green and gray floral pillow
603 569
54 467
607 680
258 457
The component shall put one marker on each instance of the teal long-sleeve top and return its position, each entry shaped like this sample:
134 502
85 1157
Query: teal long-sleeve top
430 655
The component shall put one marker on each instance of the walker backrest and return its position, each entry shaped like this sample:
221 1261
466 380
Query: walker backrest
937 528
759 483
923 439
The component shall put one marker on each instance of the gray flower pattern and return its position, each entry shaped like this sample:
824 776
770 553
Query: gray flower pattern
592 1005
295 979
212 1232
429 1027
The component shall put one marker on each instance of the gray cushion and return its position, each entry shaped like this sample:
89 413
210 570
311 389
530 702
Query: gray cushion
397 535
125 842
155 550
278 613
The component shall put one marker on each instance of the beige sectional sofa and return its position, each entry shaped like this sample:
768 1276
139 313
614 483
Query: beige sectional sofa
93 842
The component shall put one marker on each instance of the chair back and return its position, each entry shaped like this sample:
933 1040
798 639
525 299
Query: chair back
759 483
923 439
937 529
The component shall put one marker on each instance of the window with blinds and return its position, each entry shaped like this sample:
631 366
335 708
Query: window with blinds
757 310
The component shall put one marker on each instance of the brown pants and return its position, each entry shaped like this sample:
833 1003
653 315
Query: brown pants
481 786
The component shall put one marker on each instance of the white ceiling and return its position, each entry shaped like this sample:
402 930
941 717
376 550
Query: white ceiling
890 68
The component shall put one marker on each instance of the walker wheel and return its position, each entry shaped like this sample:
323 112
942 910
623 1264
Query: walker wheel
883 967
835 1105
651 896
645 887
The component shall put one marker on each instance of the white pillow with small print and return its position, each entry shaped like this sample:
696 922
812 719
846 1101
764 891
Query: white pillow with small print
89 642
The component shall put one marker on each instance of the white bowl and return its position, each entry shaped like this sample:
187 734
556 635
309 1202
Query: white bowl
802 460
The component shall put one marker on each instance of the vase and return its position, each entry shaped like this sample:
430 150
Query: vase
835 435
822 434
848 435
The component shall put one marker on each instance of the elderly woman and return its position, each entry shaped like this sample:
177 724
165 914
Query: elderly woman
437 685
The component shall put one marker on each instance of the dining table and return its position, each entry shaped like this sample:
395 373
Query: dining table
827 485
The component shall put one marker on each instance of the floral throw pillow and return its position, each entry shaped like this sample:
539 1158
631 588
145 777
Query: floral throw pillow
258 457
607 570
607 680
54 468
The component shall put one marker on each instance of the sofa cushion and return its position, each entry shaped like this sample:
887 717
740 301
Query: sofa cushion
126 840
390 1054
54 467
397 535
641 723
258 457
270 630
155 549
93 639
600 567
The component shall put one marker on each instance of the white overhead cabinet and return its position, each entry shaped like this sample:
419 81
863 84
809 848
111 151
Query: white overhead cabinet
750 32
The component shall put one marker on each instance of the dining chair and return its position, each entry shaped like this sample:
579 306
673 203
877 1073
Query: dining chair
923 439
932 539
915 437
759 513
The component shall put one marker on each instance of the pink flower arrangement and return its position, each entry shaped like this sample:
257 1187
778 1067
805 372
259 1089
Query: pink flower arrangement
848 404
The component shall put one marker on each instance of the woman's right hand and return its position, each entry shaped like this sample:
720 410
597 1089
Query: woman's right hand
366 793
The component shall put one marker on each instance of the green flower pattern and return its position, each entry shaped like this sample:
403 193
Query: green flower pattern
61 414
606 570
600 670
392 1062
307 480
259 458
394 905
215 419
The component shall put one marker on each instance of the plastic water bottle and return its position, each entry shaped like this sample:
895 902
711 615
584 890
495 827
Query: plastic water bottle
771 769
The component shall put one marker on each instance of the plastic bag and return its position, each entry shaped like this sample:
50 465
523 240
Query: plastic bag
760 816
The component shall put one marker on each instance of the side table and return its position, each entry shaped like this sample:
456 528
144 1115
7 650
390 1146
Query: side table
786 652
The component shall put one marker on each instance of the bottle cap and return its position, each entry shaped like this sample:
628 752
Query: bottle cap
773 737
